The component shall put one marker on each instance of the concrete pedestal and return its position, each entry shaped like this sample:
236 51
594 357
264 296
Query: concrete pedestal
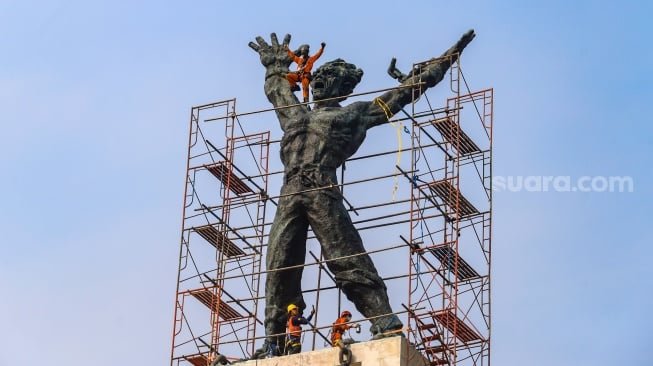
393 351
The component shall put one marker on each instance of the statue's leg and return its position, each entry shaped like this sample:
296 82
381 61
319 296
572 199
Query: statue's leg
355 274
286 247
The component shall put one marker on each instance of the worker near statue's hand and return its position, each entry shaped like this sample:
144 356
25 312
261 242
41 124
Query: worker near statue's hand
304 67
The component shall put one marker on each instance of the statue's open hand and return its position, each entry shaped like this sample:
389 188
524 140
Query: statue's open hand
275 54
466 38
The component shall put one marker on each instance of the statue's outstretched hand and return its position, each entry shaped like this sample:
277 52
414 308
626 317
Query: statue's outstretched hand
274 55
466 38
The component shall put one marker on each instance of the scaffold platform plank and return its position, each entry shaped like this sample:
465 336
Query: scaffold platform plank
453 134
206 297
199 360
433 351
225 174
427 326
448 257
431 338
437 349
436 361
452 322
448 194
219 240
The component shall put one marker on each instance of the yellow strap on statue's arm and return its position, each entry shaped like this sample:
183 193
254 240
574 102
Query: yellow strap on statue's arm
398 128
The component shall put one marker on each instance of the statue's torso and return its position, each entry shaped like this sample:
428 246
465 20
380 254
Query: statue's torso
323 138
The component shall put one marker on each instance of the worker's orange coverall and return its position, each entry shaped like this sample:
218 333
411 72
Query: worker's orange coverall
338 329
303 73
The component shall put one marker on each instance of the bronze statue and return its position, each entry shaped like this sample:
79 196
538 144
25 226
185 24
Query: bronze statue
315 143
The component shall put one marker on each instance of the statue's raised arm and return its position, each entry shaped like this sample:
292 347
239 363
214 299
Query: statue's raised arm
274 57
415 83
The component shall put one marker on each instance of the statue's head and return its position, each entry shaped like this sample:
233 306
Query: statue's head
335 79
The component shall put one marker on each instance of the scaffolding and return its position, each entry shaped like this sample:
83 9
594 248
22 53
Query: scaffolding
426 226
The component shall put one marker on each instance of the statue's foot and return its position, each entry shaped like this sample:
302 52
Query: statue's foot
267 350
388 334
387 327
220 360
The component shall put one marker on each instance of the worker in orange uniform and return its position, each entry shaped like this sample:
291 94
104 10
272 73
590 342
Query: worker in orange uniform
304 67
340 326
294 329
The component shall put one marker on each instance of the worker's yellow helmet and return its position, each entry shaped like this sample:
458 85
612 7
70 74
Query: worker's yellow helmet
292 307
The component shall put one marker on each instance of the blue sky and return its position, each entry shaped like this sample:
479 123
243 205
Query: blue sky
94 105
